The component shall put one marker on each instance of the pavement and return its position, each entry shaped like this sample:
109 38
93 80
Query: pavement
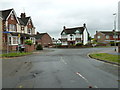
59 68
110 51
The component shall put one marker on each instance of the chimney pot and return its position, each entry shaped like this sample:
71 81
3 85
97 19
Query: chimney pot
84 25
23 15
64 27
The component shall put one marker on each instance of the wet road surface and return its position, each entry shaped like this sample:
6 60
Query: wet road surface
59 68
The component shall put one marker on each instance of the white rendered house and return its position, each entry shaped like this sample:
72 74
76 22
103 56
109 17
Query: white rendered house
72 36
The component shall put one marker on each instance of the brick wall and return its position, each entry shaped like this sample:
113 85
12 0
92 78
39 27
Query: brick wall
29 48
102 37
45 40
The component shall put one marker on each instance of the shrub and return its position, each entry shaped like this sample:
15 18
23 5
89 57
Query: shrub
28 42
39 47
79 44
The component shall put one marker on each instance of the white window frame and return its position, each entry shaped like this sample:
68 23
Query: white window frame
12 40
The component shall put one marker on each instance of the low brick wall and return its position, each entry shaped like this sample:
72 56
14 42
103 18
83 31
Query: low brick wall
29 48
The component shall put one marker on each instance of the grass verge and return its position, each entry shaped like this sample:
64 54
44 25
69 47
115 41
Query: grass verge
15 54
106 57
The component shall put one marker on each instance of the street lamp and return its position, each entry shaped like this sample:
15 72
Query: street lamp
115 29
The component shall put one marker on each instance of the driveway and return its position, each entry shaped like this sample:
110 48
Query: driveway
59 68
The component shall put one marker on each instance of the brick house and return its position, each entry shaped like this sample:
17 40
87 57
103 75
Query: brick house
107 36
16 30
71 36
44 39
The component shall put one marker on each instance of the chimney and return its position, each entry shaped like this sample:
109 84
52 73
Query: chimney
113 30
64 27
96 32
84 25
23 15
38 33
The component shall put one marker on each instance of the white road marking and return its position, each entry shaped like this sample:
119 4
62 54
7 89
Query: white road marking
82 76
63 60
85 79
95 86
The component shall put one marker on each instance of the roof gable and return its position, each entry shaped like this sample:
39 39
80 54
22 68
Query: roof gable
109 32
73 30
24 21
7 13
40 35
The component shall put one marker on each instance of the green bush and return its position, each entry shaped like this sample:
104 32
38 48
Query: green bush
39 47
28 42
79 44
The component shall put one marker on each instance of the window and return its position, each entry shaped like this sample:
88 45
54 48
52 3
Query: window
15 40
107 36
98 37
12 27
29 30
77 31
22 28
63 33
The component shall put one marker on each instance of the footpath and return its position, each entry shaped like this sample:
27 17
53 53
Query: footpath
112 51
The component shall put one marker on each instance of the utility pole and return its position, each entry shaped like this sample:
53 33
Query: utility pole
115 30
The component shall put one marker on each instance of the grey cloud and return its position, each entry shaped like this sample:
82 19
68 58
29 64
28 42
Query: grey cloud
51 15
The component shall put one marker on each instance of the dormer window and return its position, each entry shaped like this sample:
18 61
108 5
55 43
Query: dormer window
77 32
63 33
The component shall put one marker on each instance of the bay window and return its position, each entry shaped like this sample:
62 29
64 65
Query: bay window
13 40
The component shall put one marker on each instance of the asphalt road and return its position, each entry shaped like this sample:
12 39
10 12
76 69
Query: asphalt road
59 68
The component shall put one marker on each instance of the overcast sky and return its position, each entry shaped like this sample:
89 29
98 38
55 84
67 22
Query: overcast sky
51 15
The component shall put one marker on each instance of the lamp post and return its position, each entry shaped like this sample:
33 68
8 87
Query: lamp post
115 29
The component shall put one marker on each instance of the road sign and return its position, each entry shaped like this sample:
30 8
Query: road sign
18 35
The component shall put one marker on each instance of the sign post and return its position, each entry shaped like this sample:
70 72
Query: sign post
18 41
7 32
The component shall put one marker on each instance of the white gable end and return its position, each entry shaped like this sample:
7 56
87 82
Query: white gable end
85 37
